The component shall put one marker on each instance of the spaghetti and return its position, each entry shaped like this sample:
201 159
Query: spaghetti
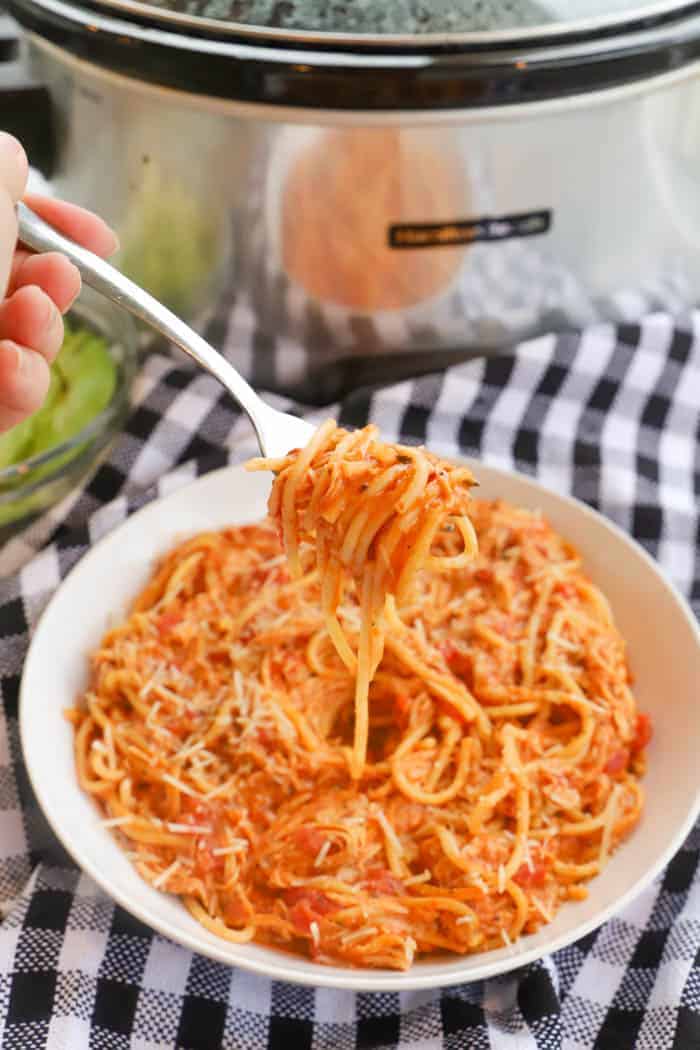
369 512
504 748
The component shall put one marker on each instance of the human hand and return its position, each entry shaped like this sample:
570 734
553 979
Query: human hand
35 290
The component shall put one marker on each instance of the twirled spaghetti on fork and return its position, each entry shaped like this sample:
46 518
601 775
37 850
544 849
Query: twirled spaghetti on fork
370 513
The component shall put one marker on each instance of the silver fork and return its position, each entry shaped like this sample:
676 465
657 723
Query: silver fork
277 432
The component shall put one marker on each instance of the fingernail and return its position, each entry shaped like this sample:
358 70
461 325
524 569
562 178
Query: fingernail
116 244
20 355
27 362
77 294
51 315
53 318
44 304
55 322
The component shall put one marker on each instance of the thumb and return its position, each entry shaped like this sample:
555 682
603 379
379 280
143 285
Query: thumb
13 176
14 166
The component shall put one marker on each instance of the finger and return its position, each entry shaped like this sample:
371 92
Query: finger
52 273
77 223
30 318
24 382
14 166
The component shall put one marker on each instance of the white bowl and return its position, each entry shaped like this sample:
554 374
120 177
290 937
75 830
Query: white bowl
664 649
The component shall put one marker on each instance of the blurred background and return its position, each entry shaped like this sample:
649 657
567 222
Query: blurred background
342 195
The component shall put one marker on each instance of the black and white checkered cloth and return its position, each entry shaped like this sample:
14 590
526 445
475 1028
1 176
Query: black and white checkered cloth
611 416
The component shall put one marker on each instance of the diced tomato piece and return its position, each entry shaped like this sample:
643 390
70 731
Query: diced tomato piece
207 862
295 894
382 883
183 725
448 649
235 912
643 733
531 876
257 579
220 659
458 662
168 620
309 839
617 761
194 812
402 704
566 590
307 905
302 915
265 739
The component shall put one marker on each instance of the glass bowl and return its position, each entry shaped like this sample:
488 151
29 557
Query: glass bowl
30 487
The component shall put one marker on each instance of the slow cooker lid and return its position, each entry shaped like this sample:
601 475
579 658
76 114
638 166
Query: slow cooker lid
400 23
364 77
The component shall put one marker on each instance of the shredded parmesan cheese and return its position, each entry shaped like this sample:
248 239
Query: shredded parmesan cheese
609 825
235 847
322 853
546 915
180 785
189 829
393 840
117 822
153 713
359 935
165 875
413 880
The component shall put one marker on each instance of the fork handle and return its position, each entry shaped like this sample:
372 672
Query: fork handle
38 235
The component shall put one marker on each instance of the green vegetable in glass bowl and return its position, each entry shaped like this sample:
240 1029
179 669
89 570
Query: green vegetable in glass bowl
45 456
83 378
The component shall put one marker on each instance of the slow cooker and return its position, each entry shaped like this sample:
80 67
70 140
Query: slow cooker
345 191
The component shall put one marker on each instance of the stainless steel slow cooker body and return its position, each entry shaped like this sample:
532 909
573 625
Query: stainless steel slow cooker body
343 212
